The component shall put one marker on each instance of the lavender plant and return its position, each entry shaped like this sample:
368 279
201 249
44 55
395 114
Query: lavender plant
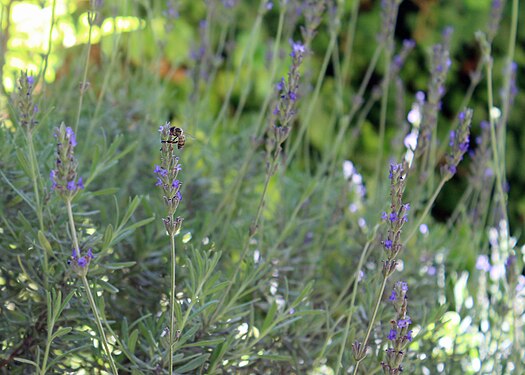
400 334
167 173
284 259
67 185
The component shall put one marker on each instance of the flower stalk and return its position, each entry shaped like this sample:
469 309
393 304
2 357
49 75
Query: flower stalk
65 182
167 173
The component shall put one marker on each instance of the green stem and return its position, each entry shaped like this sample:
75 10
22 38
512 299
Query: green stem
494 144
253 229
48 343
88 290
227 204
172 303
372 320
84 78
312 103
382 120
98 321
352 303
345 76
425 211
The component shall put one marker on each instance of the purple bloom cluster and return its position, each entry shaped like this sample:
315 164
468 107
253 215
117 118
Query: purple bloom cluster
440 65
27 110
81 261
495 18
396 217
389 9
459 144
288 93
64 177
399 335
167 179
399 59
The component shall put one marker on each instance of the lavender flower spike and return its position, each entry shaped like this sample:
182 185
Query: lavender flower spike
459 144
396 218
400 334
166 176
64 177
288 93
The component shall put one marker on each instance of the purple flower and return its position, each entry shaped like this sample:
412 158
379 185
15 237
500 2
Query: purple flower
90 253
175 184
52 176
388 244
393 217
280 85
298 49
409 336
30 80
160 171
179 195
403 323
452 138
384 216
72 137
80 184
463 146
82 262
159 182
511 260
393 296
392 334
71 186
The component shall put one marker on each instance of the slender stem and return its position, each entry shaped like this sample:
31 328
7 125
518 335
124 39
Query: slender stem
251 47
350 309
48 343
34 177
38 207
312 104
98 321
91 300
494 144
49 44
425 211
72 228
255 223
372 320
345 76
172 302
84 78
382 118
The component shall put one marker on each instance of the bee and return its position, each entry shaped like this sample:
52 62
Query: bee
176 137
